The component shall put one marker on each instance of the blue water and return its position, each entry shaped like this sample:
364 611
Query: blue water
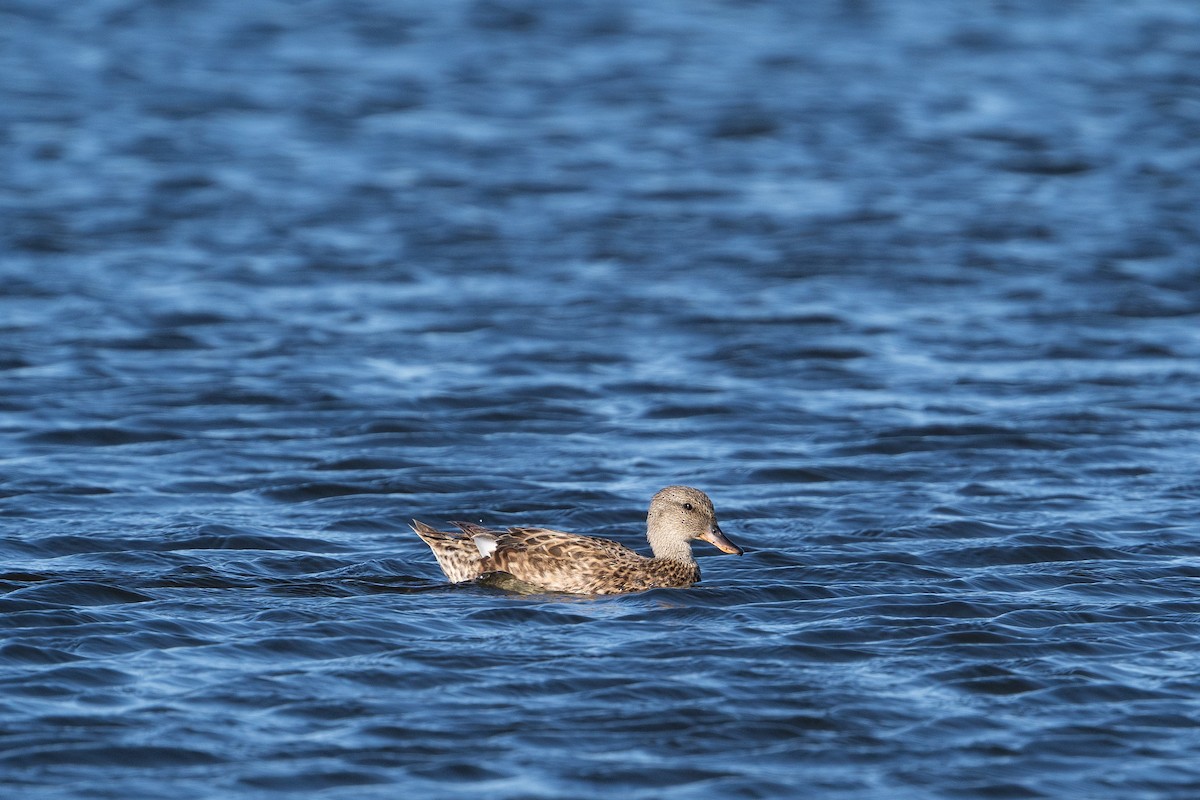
911 289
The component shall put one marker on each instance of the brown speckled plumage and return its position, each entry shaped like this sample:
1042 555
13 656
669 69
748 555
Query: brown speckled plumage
540 559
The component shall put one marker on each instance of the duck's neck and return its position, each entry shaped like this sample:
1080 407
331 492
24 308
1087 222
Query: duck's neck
671 547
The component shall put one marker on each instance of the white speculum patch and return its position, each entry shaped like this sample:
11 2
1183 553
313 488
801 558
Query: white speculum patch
486 544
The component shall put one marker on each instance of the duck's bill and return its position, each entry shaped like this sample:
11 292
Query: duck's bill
719 540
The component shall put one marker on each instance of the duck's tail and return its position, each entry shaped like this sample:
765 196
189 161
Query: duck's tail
456 553
431 534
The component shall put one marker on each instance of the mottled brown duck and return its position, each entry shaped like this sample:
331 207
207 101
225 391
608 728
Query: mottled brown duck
543 560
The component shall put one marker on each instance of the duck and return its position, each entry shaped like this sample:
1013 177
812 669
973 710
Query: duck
534 560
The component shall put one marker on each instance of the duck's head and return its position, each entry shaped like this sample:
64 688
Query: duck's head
679 514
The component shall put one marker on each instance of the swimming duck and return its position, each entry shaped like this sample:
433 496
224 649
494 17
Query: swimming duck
543 560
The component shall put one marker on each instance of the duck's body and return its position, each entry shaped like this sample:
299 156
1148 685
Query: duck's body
539 559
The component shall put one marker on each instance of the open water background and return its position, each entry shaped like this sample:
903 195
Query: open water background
910 288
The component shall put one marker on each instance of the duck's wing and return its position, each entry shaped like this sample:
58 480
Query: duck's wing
564 562
560 544
457 553
471 528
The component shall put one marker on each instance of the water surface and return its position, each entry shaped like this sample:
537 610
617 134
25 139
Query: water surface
910 289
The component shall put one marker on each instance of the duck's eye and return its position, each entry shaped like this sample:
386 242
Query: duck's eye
687 506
